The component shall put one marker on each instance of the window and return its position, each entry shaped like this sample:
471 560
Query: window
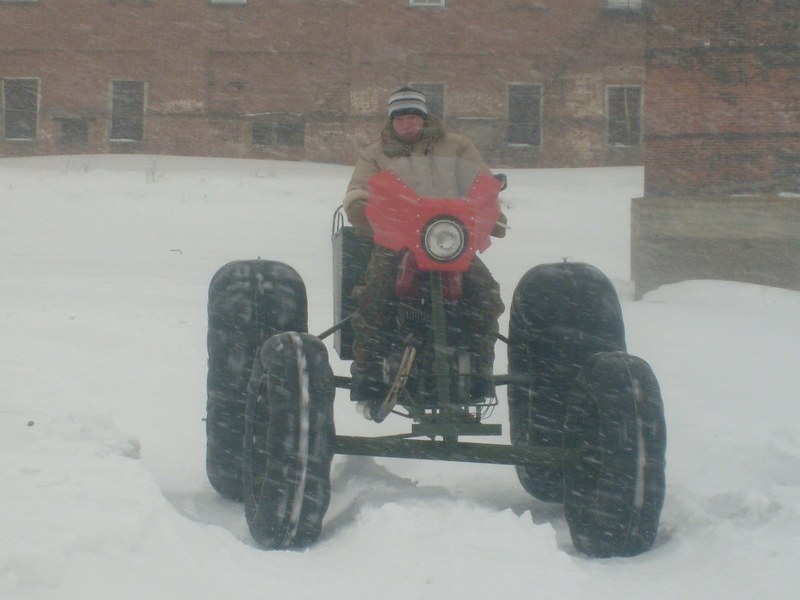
434 97
289 132
228 1
426 2
624 111
127 111
74 131
624 4
20 108
524 114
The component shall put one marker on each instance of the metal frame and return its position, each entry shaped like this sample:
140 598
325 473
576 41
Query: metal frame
445 423
499 454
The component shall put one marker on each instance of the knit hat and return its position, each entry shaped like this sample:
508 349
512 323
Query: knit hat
407 101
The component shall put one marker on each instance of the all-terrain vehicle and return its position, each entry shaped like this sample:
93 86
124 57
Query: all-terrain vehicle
586 418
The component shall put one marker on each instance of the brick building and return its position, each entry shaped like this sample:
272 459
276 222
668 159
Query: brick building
534 83
723 100
722 160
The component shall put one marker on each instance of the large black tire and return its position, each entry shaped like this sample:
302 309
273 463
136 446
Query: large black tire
289 441
561 314
614 492
248 301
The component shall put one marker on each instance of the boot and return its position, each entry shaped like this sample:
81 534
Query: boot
367 388
482 381
482 386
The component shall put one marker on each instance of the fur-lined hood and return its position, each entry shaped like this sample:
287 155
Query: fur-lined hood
394 147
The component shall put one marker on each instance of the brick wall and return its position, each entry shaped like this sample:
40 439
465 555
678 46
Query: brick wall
722 144
722 111
213 72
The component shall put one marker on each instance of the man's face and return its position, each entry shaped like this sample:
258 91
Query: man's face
408 127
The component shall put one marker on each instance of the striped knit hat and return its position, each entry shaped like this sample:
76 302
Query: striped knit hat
407 101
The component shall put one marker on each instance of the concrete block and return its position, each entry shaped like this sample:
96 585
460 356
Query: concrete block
753 239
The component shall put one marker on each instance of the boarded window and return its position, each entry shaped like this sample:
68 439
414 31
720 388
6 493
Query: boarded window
434 97
624 115
426 2
287 133
20 108
74 131
127 111
524 114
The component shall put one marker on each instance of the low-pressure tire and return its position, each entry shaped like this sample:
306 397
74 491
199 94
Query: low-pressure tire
248 302
561 314
615 490
289 442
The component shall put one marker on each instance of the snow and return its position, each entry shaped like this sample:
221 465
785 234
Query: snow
104 268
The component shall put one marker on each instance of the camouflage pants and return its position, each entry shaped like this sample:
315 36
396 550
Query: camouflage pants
377 308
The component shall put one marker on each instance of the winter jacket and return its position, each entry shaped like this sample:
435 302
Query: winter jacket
440 164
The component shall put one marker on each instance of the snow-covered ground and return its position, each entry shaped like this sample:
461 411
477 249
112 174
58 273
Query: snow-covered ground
104 268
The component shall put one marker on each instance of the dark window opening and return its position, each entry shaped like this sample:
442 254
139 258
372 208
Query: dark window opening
434 97
524 114
624 116
74 131
279 133
20 108
127 111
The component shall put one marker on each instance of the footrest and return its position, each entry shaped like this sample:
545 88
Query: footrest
455 429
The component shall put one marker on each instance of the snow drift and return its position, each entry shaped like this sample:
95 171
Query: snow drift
104 268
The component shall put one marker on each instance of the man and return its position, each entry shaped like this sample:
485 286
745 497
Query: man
434 163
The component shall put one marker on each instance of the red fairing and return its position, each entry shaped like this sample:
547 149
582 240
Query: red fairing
398 217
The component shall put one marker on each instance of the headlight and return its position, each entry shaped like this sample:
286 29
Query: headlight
444 239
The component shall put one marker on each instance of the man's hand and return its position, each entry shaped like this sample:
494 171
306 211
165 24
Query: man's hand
500 227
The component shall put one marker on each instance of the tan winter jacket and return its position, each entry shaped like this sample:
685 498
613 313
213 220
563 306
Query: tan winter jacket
440 164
